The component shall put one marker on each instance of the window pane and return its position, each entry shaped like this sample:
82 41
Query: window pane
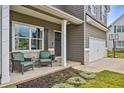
21 44
122 44
36 44
118 28
119 44
21 31
36 33
122 28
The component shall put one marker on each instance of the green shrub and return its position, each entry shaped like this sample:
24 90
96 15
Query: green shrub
76 81
63 85
11 86
88 75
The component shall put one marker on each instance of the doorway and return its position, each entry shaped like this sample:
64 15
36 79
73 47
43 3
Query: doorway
57 43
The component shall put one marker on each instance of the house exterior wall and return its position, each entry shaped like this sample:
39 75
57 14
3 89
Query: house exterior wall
75 35
38 22
119 22
0 42
92 31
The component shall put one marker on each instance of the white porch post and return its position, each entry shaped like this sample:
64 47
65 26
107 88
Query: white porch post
63 43
5 44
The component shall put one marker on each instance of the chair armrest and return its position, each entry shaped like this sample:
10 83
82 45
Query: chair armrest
52 57
15 60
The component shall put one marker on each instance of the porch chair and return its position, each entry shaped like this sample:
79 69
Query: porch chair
20 63
45 57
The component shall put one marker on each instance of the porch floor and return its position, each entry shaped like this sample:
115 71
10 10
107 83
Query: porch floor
17 77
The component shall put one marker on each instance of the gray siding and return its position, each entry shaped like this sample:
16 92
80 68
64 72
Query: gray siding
61 7
75 35
75 43
34 21
75 10
92 31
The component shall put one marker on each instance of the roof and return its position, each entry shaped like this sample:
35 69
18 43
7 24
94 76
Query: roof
116 20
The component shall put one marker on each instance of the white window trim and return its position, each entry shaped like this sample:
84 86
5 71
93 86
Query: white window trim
92 9
13 37
121 28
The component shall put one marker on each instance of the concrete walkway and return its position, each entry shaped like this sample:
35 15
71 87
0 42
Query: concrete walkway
111 64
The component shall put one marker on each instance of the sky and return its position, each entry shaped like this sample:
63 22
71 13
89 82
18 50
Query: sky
115 12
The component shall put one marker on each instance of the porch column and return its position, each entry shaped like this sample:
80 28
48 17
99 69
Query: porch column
5 43
63 43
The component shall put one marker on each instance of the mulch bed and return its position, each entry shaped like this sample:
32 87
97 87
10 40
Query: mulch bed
49 80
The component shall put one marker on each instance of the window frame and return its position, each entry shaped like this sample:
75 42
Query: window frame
30 36
121 28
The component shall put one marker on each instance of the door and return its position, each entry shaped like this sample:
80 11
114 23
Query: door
57 43
97 49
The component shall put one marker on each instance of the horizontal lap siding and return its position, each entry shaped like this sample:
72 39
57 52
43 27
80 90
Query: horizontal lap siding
75 34
34 21
92 31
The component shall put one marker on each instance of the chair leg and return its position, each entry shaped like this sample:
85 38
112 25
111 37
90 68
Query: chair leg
33 67
51 64
22 69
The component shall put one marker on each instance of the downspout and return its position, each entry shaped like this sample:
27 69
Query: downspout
1 46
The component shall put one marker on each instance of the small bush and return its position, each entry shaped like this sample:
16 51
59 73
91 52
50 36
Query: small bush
76 81
11 86
63 85
88 75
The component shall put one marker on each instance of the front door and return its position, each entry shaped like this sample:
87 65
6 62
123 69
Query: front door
57 43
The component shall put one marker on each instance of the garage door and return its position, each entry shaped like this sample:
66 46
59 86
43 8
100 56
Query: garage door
97 49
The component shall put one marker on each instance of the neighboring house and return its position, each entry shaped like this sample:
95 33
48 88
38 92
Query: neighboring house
117 27
72 32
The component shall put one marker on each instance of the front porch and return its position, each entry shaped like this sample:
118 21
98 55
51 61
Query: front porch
16 78
27 30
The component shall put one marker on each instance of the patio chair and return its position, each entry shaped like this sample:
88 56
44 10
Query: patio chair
20 63
45 57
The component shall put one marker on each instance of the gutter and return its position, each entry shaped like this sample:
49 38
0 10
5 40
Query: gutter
1 46
97 21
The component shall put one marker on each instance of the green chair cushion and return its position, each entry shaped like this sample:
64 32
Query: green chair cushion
45 60
44 55
27 63
18 56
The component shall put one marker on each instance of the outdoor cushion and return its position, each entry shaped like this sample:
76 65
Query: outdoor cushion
45 55
45 60
27 63
18 56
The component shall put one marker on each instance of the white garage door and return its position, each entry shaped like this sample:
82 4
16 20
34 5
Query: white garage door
97 49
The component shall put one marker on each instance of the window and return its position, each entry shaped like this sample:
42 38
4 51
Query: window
103 15
118 28
89 8
120 44
27 37
123 28
36 39
93 9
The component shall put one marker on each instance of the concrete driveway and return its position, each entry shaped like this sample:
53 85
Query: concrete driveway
111 64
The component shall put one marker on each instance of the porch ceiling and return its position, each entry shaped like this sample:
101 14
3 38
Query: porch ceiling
46 12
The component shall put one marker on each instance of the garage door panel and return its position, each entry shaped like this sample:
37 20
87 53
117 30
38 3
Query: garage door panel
97 49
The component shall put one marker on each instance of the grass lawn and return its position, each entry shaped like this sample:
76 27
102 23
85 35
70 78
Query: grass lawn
106 79
117 54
